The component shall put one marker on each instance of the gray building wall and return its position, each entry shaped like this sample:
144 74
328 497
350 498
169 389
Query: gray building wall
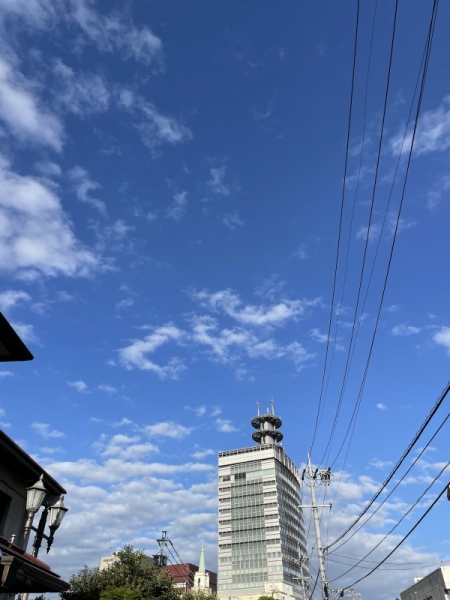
13 503
435 586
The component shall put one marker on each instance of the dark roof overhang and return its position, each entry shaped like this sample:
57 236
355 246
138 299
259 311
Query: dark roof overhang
20 572
11 346
26 467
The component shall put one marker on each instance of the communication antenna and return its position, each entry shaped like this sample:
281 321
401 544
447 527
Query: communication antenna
272 402
258 405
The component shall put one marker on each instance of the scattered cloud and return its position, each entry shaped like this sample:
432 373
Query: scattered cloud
225 426
83 94
167 429
122 422
440 189
3 423
36 237
46 432
4 374
178 208
375 230
433 132
134 355
79 385
126 303
442 337
199 454
231 304
233 220
23 114
25 332
11 298
216 184
109 389
381 406
300 253
380 464
82 185
199 410
403 329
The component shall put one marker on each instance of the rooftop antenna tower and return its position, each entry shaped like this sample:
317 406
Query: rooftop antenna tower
267 427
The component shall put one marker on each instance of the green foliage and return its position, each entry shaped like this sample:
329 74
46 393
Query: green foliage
199 594
266 598
132 573
122 593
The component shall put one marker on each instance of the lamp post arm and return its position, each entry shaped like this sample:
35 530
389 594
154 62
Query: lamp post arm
40 533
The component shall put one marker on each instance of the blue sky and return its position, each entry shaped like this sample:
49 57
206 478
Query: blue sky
171 177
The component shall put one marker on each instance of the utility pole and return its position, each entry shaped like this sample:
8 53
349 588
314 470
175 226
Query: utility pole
325 476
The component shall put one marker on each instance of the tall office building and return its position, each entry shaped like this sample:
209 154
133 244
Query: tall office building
261 530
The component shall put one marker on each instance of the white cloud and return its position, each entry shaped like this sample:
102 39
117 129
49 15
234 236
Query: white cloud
233 220
375 230
122 422
125 447
380 464
381 406
231 304
442 337
300 253
45 431
199 454
134 355
126 303
216 184
156 128
4 374
25 332
21 112
199 411
438 192
48 168
79 385
36 237
83 94
11 298
433 132
168 429
82 185
403 329
117 32
178 208
3 424
109 389
225 426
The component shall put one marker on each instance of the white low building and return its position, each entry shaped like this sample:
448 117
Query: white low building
435 586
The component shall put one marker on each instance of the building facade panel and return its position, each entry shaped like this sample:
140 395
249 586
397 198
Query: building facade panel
261 531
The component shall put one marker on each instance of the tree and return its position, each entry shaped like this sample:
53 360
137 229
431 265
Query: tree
266 598
131 577
199 594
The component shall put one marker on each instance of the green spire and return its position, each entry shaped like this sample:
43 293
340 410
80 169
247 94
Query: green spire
201 565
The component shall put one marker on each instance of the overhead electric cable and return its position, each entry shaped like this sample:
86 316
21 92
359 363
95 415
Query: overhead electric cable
369 225
398 522
397 466
403 540
423 450
341 214
397 223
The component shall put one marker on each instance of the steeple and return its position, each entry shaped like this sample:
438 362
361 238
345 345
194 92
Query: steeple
267 426
201 564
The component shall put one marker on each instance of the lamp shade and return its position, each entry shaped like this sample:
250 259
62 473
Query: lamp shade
36 494
57 512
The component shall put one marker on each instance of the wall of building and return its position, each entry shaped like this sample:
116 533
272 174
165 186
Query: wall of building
435 586
13 514
260 525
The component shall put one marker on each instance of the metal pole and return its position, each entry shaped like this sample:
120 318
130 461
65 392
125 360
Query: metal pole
322 572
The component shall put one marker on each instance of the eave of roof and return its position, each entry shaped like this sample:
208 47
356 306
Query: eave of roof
16 457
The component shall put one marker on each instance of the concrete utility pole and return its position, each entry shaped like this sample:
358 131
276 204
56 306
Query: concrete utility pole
325 479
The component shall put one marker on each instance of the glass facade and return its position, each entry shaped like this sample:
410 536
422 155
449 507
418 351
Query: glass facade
261 529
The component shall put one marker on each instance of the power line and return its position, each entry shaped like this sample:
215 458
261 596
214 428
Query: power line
398 482
398 465
336 266
398 522
405 538
366 245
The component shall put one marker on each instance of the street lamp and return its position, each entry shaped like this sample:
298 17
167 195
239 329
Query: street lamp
36 495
